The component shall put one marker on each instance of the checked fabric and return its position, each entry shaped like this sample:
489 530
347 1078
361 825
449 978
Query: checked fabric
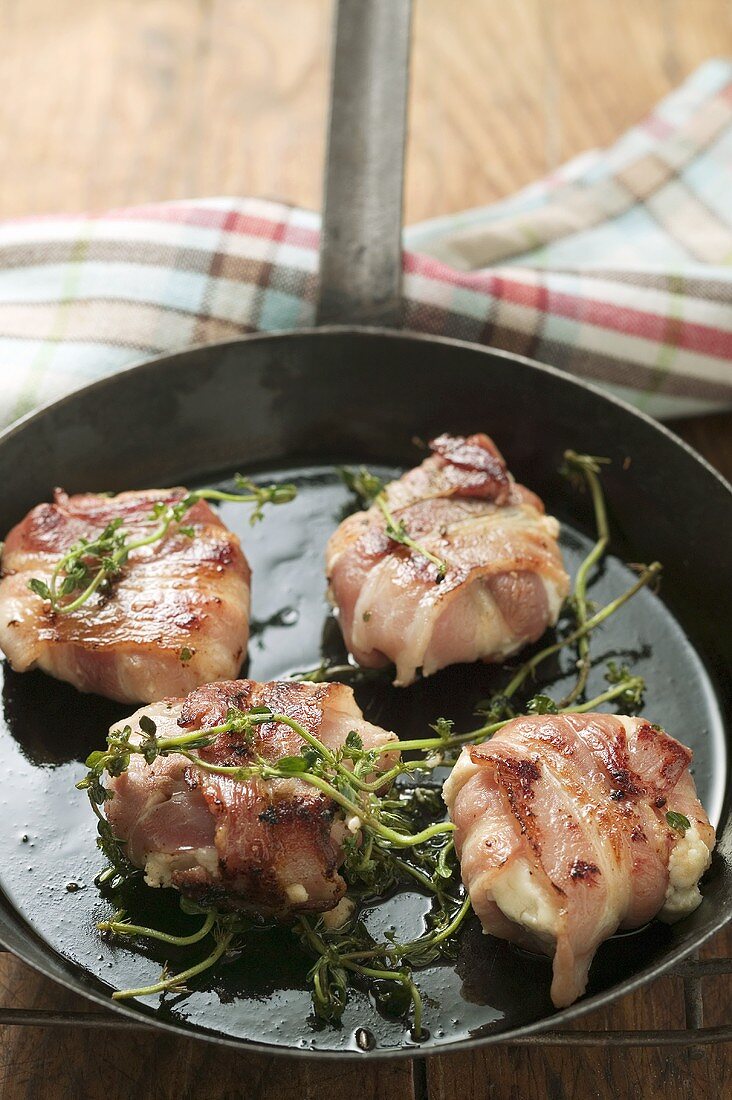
616 269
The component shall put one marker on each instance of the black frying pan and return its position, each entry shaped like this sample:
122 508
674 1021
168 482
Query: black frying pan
291 405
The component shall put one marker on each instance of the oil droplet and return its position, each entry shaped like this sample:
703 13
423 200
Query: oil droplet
72 887
24 838
365 1039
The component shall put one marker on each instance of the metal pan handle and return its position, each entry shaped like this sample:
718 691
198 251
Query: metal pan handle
360 251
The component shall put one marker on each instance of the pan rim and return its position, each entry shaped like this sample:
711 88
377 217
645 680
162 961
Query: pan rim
150 362
74 982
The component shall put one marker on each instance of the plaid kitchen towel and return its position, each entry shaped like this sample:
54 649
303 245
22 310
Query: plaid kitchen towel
616 269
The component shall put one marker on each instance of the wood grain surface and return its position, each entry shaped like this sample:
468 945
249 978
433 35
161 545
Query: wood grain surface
109 102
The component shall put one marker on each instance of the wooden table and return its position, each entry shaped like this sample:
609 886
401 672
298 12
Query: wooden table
108 103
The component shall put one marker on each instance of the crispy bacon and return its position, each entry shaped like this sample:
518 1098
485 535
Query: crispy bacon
177 616
274 847
563 838
504 581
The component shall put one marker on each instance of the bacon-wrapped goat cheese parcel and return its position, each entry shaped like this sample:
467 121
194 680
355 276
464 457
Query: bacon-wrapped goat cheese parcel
271 847
571 827
485 579
176 615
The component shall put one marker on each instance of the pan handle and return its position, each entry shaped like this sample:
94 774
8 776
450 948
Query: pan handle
361 248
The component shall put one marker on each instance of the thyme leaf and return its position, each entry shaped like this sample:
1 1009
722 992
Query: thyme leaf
362 483
541 704
678 822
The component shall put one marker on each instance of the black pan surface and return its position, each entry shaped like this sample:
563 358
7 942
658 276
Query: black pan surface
291 407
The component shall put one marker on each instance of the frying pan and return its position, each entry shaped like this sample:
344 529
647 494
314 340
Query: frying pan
290 405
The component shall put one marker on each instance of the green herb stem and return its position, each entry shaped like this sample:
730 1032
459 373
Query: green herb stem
397 531
362 812
115 559
177 980
404 978
414 872
434 744
365 485
452 927
614 692
589 468
649 574
123 928
325 673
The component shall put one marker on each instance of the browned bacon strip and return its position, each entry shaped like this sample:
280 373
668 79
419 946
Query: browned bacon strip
177 616
563 838
504 581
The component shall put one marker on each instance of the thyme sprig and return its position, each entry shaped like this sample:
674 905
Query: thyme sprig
586 469
344 775
647 576
397 531
371 490
176 983
121 926
386 967
225 930
353 951
92 563
627 689
326 673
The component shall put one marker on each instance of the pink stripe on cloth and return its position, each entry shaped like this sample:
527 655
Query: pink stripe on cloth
228 221
626 319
